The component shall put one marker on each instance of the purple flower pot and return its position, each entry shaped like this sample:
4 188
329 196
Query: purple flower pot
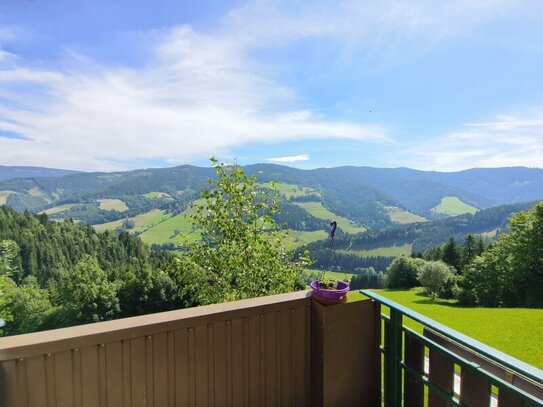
329 297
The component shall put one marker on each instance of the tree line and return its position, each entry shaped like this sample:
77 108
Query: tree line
507 272
57 273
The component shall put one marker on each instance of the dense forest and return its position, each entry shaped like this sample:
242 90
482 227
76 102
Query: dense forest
507 272
58 274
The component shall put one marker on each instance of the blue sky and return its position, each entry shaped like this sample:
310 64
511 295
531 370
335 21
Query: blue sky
115 85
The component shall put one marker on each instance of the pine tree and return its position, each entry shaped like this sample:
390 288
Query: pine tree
451 254
469 250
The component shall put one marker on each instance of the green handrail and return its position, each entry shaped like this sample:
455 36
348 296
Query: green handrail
495 355
394 351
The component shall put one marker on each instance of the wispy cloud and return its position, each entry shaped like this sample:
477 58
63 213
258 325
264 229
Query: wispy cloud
197 95
206 93
290 159
509 140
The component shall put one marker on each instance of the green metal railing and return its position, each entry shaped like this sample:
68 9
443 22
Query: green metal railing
517 383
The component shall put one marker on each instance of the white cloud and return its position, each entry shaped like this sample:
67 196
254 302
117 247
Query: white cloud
290 159
198 95
509 140
201 94
388 30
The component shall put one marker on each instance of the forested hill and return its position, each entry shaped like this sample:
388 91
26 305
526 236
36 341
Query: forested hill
63 268
419 237
367 196
31 172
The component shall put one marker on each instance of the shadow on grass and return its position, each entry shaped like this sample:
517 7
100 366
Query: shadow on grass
437 301
426 300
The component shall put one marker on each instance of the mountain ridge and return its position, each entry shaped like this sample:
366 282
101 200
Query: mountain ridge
360 193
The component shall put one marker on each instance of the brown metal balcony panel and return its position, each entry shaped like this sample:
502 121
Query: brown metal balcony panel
244 353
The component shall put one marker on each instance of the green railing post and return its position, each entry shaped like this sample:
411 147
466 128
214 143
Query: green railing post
393 359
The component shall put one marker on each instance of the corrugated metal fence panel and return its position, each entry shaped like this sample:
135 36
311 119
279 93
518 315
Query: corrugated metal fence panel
249 356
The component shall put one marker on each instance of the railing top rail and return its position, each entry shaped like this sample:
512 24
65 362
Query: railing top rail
13 347
495 355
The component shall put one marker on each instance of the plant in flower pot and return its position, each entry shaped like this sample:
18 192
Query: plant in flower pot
328 291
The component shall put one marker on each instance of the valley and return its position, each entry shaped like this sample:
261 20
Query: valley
381 213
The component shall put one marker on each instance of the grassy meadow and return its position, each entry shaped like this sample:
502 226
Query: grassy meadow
316 209
298 238
4 196
291 190
515 331
57 209
112 205
155 195
402 217
451 205
392 251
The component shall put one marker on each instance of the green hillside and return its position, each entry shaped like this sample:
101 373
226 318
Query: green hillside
402 217
155 194
291 190
451 205
384 250
112 205
363 195
4 196
318 210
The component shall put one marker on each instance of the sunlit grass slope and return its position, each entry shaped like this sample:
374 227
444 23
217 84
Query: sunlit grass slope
451 205
316 209
515 331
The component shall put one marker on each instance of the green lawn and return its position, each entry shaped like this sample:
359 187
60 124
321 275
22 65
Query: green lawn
392 251
451 205
515 331
316 209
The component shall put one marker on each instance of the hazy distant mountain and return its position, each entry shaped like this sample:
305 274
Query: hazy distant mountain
365 195
31 172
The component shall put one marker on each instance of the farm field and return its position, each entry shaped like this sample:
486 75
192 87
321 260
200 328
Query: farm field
4 196
169 229
387 251
336 275
489 235
102 227
515 331
402 217
57 209
147 220
141 222
155 194
316 209
291 190
112 205
298 238
451 205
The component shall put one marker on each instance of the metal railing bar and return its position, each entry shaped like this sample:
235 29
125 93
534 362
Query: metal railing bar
431 385
500 383
501 358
